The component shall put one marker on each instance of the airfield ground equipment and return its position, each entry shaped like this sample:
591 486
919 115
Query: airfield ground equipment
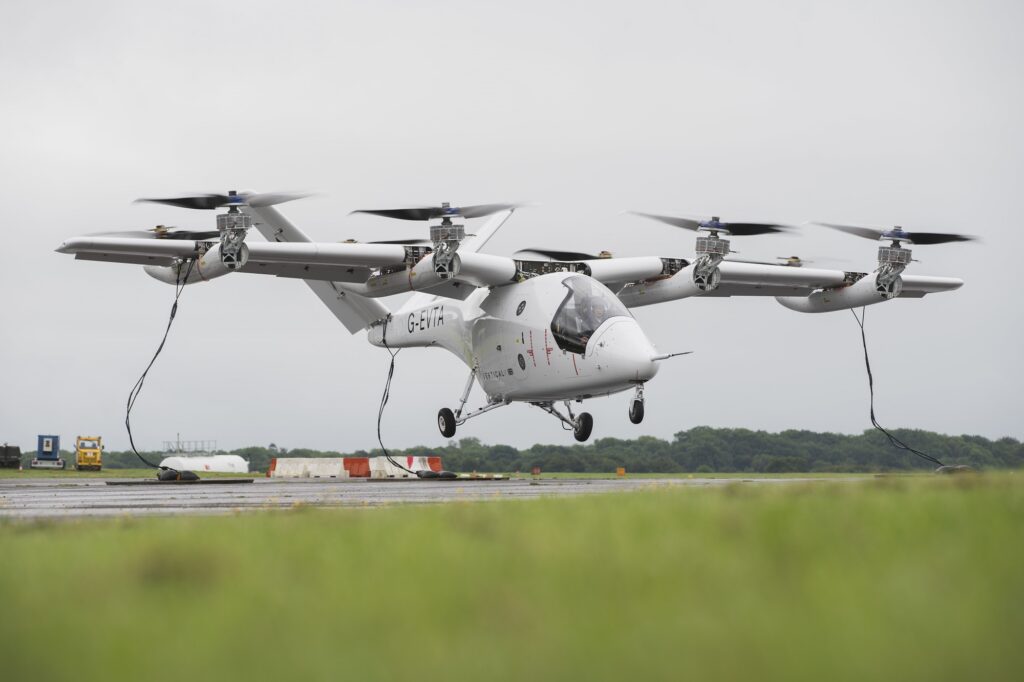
89 453
47 453
10 456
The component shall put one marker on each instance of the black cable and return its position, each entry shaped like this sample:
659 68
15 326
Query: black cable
387 395
893 440
179 286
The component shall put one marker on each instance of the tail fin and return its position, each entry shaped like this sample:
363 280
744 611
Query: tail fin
352 310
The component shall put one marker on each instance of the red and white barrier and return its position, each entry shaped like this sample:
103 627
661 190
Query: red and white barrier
349 467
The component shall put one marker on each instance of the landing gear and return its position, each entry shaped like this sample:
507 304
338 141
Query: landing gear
581 425
584 425
636 406
446 422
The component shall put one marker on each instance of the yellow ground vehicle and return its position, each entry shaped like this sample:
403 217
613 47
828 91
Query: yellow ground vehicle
89 453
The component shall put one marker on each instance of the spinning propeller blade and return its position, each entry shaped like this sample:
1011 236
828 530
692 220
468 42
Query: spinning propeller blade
162 232
713 223
899 233
442 211
207 202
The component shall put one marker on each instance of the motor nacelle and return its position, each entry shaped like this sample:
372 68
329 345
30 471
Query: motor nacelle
213 263
866 291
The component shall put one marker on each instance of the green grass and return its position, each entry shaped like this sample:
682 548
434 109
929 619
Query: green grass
895 578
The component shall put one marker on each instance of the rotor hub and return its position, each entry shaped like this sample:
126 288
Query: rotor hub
446 237
233 227
892 261
712 245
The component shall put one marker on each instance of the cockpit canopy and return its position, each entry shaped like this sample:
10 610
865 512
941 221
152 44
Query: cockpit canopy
587 304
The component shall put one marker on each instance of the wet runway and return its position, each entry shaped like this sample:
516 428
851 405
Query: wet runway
69 497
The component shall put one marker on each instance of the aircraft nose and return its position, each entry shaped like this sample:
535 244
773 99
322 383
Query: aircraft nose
624 348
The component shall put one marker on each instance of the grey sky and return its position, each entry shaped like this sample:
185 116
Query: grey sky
871 112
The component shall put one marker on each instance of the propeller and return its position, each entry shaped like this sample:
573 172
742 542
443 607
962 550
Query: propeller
164 232
443 211
897 233
714 223
208 202
565 255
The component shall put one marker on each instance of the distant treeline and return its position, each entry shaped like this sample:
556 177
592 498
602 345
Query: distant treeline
699 450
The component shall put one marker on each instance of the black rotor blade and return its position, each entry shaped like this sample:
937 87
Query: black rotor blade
915 237
208 202
404 213
866 232
939 237
559 255
685 223
195 235
273 198
203 202
432 212
480 210
750 229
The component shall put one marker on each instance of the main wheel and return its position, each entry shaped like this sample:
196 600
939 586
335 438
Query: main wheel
636 411
584 425
446 422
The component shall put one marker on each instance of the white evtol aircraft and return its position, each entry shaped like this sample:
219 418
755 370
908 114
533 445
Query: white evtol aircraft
544 331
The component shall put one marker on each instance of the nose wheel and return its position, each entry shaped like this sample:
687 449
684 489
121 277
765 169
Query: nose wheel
636 411
636 405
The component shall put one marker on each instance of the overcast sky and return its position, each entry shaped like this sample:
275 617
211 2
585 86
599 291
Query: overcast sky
858 112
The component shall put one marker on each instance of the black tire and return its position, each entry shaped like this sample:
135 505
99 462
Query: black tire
584 425
446 422
636 411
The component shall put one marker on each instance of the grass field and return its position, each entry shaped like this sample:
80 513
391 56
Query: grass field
896 578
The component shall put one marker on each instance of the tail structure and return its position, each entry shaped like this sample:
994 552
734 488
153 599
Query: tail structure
352 310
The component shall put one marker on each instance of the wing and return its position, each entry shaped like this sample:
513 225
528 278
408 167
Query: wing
804 289
332 270
298 255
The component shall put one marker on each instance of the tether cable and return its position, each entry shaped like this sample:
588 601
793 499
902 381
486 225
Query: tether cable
179 286
893 440
387 395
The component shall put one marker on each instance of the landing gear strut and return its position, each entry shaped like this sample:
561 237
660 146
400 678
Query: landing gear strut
582 425
636 405
447 421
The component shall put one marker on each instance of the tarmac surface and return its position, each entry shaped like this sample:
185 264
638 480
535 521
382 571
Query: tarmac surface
70 498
